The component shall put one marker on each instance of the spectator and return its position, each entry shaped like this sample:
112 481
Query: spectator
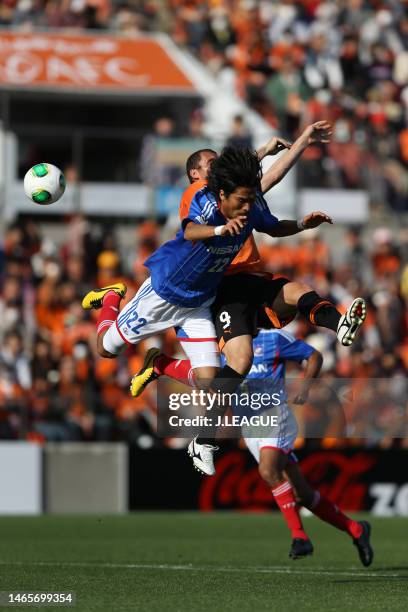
287 91
294 62
239 136
14 361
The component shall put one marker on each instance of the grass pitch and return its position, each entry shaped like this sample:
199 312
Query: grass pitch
200 562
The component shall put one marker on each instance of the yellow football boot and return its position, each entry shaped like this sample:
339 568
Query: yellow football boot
146 375
94 298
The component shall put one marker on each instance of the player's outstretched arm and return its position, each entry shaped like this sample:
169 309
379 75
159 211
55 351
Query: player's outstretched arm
196 231
289 228
316 132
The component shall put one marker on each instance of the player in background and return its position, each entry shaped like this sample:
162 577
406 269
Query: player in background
246 289
185 272
278 465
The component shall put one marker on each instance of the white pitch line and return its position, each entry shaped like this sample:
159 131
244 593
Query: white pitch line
272 569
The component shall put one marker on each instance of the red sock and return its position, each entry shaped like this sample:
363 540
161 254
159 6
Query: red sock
329 512
179 369
109 311
283 495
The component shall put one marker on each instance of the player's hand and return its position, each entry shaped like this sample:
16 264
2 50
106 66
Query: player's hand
320 131
300 398
315 219
234 226
275 145
302 395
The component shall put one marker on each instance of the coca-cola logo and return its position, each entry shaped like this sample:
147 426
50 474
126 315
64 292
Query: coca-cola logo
237 484
339 477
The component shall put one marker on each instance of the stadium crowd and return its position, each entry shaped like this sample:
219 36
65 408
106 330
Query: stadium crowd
293 61
54 386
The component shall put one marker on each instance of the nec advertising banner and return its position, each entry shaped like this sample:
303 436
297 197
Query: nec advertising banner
77 63
356 480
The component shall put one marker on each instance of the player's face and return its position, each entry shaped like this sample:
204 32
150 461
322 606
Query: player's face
238 203
201 173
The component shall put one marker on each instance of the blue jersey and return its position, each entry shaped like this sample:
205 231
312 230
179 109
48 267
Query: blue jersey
272 349
187 273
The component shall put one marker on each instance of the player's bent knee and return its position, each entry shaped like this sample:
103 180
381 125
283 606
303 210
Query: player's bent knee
100 347
270 475
102 352
241 362
294 290
239 354
302 288
110 343
204 376
106 354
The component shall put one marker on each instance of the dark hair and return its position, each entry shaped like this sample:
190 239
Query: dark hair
193 162
235 167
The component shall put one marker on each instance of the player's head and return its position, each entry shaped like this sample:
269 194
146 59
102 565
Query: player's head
234 178
198 164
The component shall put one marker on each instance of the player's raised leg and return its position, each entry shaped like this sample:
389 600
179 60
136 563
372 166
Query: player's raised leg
327 511
108 300
196 334
320 311
158 364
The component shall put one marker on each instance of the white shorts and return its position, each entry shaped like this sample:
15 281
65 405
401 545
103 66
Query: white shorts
284 437
148 314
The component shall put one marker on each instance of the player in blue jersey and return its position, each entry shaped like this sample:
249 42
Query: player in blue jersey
272 446
186 271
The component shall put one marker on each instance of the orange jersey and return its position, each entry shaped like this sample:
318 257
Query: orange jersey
188 195
248 259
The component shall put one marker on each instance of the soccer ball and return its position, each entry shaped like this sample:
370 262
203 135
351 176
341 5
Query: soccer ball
44 184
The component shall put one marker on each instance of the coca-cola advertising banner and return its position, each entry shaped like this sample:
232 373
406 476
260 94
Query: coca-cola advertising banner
355 479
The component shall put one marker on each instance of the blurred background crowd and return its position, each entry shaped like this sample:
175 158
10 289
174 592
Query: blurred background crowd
294 62
54 386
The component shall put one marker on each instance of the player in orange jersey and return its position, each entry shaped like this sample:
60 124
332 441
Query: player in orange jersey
246 286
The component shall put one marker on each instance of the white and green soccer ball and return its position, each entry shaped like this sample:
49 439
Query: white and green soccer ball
44 184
